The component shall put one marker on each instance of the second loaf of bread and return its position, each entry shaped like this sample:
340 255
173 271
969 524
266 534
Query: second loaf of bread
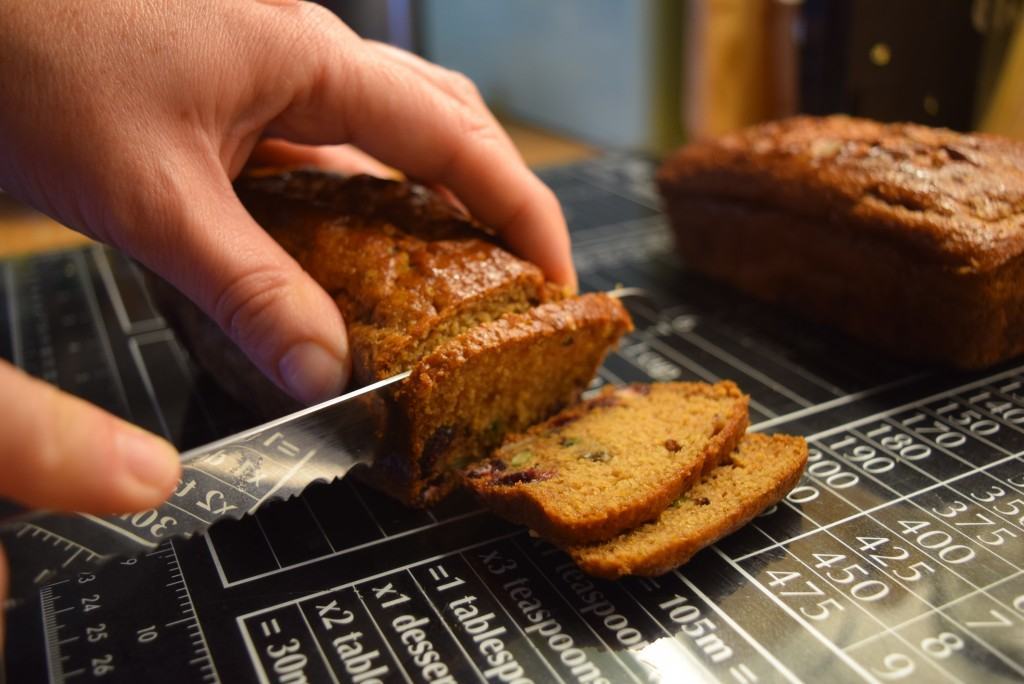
905 236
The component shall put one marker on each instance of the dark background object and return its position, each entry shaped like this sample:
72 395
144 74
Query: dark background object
389 21
914 60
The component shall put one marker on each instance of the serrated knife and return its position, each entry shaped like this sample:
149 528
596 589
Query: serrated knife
232 476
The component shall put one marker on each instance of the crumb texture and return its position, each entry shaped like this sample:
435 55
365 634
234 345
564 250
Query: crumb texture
614 461
498 377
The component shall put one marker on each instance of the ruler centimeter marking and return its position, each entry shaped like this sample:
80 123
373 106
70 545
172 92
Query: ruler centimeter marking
205 651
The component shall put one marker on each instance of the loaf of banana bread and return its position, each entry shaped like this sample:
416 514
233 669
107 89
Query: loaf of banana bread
407 269
907 237
492 346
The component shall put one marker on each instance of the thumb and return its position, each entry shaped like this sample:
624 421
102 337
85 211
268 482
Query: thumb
62 453
209 247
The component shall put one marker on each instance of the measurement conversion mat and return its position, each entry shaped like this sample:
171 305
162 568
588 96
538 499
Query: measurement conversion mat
898 557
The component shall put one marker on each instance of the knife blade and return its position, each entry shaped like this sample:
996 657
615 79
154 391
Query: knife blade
233 476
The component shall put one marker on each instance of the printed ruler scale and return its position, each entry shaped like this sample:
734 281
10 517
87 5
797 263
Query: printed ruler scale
898 557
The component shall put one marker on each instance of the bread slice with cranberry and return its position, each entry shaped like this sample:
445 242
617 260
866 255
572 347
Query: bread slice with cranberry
612 462
757 475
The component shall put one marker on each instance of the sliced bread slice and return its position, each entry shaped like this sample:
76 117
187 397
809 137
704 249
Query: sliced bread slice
613 462
759 474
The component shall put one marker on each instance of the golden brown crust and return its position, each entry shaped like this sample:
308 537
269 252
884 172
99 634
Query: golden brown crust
614 461
907 237
407 269
955 199
760 473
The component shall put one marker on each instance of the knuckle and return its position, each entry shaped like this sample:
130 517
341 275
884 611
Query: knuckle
316 20
478 128
472 136
246 307
463 87
315 38
550 199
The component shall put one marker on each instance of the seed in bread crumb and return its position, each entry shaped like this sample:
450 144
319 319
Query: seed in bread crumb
568 441
597 456
521 459
672 445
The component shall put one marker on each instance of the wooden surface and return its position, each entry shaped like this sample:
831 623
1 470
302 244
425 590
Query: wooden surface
23 230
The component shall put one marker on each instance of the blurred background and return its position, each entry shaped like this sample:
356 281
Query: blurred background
648 74
571 77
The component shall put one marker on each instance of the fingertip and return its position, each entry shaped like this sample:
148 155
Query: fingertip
537 231
151 466
569 279
312 373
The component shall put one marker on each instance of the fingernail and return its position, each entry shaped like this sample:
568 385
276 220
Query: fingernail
311 373
150 460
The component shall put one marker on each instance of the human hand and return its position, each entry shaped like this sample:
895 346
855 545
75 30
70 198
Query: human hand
128 119
60 453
